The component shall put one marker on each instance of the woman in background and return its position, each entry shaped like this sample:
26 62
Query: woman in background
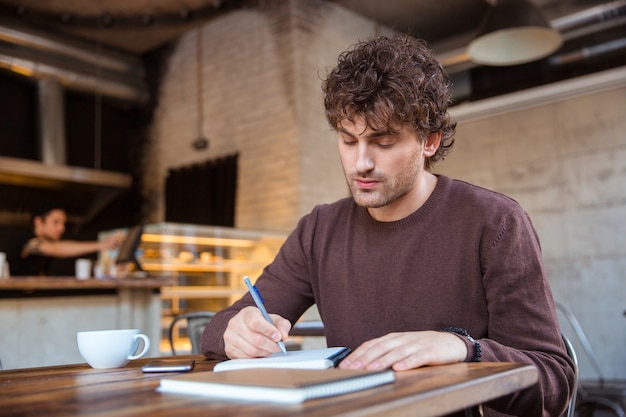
32 253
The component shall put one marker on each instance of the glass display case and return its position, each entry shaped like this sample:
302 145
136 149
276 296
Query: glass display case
208 263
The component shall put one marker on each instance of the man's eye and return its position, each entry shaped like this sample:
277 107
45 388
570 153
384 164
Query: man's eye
385 145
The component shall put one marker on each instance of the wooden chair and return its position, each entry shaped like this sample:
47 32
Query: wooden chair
196 323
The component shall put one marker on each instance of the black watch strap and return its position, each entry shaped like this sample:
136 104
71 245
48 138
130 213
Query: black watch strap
464 333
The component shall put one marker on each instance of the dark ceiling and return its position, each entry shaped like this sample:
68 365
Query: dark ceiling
594 30
141 25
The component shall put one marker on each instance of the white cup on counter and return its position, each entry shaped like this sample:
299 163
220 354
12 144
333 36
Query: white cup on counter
4 266
83 268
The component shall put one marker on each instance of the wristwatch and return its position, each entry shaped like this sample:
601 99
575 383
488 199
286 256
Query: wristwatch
464 333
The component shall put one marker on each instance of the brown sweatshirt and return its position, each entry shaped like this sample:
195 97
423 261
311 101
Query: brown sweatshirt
468 258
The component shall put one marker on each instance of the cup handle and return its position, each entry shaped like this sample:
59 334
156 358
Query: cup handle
146 346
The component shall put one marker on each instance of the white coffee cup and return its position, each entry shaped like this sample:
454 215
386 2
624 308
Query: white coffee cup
103 349
83 268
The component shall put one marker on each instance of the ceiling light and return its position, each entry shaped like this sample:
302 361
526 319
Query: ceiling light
513 32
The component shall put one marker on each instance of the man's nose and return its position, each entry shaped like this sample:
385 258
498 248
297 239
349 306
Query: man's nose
365 160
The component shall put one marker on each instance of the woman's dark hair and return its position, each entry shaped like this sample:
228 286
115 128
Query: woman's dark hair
392 82
43 209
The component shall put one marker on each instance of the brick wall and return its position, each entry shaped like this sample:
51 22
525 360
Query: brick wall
262 72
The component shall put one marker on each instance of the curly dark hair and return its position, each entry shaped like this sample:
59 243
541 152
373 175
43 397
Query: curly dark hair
392 82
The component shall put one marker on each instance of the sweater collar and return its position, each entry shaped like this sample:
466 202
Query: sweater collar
428 207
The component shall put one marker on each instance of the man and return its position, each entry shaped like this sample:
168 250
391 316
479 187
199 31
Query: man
32 254
415 269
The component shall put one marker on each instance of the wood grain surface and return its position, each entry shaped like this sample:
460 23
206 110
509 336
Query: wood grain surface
79 390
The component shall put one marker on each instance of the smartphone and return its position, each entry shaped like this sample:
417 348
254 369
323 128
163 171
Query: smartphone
169 365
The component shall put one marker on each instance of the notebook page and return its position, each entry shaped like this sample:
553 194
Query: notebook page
298 359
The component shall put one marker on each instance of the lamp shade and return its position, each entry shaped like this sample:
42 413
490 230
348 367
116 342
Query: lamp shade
513 32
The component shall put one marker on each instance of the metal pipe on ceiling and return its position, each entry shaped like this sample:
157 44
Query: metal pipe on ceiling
75 64
75 79
604 15
588 52
31 38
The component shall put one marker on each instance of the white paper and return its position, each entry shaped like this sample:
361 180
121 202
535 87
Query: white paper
297 359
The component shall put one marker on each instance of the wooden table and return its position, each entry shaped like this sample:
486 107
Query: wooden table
79 390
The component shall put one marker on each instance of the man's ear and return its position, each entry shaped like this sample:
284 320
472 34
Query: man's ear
431 144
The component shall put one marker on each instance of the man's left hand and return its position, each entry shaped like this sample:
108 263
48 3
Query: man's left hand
403 351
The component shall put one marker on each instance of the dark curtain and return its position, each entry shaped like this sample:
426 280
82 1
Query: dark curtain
203 193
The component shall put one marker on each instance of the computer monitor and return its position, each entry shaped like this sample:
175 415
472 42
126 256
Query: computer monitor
127 251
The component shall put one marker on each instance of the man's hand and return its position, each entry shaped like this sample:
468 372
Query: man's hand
249 335
403 351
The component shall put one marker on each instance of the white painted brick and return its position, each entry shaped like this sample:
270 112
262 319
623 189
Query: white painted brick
262 98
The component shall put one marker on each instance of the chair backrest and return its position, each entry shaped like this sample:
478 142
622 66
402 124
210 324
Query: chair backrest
196 323
582 338
572 354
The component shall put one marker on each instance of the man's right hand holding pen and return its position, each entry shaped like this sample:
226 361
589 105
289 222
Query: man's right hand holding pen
249 335
253 332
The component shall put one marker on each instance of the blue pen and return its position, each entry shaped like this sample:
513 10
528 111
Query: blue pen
258 300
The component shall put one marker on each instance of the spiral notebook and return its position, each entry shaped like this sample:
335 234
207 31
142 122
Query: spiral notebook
287 386
298 359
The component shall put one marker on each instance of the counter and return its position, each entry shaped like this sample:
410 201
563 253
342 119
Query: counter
39 316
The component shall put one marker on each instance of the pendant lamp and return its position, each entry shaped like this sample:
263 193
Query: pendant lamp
513 32
201 142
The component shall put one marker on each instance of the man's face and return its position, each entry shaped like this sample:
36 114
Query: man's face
381 168
52 226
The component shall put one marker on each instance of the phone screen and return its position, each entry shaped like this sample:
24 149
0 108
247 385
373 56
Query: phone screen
169 365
